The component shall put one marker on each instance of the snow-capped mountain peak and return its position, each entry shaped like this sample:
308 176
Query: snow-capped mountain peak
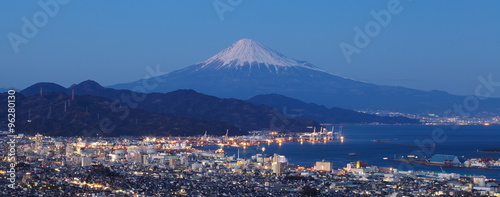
250 52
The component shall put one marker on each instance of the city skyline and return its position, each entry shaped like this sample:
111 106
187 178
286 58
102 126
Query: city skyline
250 98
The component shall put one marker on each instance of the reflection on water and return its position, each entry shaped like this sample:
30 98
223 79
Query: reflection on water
358 145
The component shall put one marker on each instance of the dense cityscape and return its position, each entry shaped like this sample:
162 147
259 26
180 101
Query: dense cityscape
170 166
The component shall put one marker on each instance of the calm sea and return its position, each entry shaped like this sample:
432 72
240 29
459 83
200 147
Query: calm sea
462 141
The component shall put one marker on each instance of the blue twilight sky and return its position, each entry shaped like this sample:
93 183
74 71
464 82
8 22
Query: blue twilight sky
444 45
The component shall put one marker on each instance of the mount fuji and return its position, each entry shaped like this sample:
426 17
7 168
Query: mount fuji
247 68
250 55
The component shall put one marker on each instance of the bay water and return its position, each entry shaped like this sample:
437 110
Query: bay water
462 141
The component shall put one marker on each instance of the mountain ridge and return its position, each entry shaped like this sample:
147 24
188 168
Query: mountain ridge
191 104
307 84
250 52
57 114
298 109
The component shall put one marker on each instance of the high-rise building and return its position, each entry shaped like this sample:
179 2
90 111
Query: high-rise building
69 150
325 166
86 161
145 159
278 164
38 143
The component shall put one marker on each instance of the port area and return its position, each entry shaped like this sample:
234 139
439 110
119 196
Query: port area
485 163
256 138
490 150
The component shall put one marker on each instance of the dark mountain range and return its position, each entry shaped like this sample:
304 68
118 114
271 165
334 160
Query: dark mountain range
246 68
38 88
298 109
190 104
244 115
56 114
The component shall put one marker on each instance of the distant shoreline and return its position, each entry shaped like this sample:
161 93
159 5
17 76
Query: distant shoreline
490 150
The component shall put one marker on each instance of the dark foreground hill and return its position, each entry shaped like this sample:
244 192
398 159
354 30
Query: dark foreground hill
56 114
189 104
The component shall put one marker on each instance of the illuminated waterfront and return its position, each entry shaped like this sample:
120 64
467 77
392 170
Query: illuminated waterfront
136 165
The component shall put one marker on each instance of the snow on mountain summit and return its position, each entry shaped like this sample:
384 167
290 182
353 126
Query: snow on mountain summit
250 52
